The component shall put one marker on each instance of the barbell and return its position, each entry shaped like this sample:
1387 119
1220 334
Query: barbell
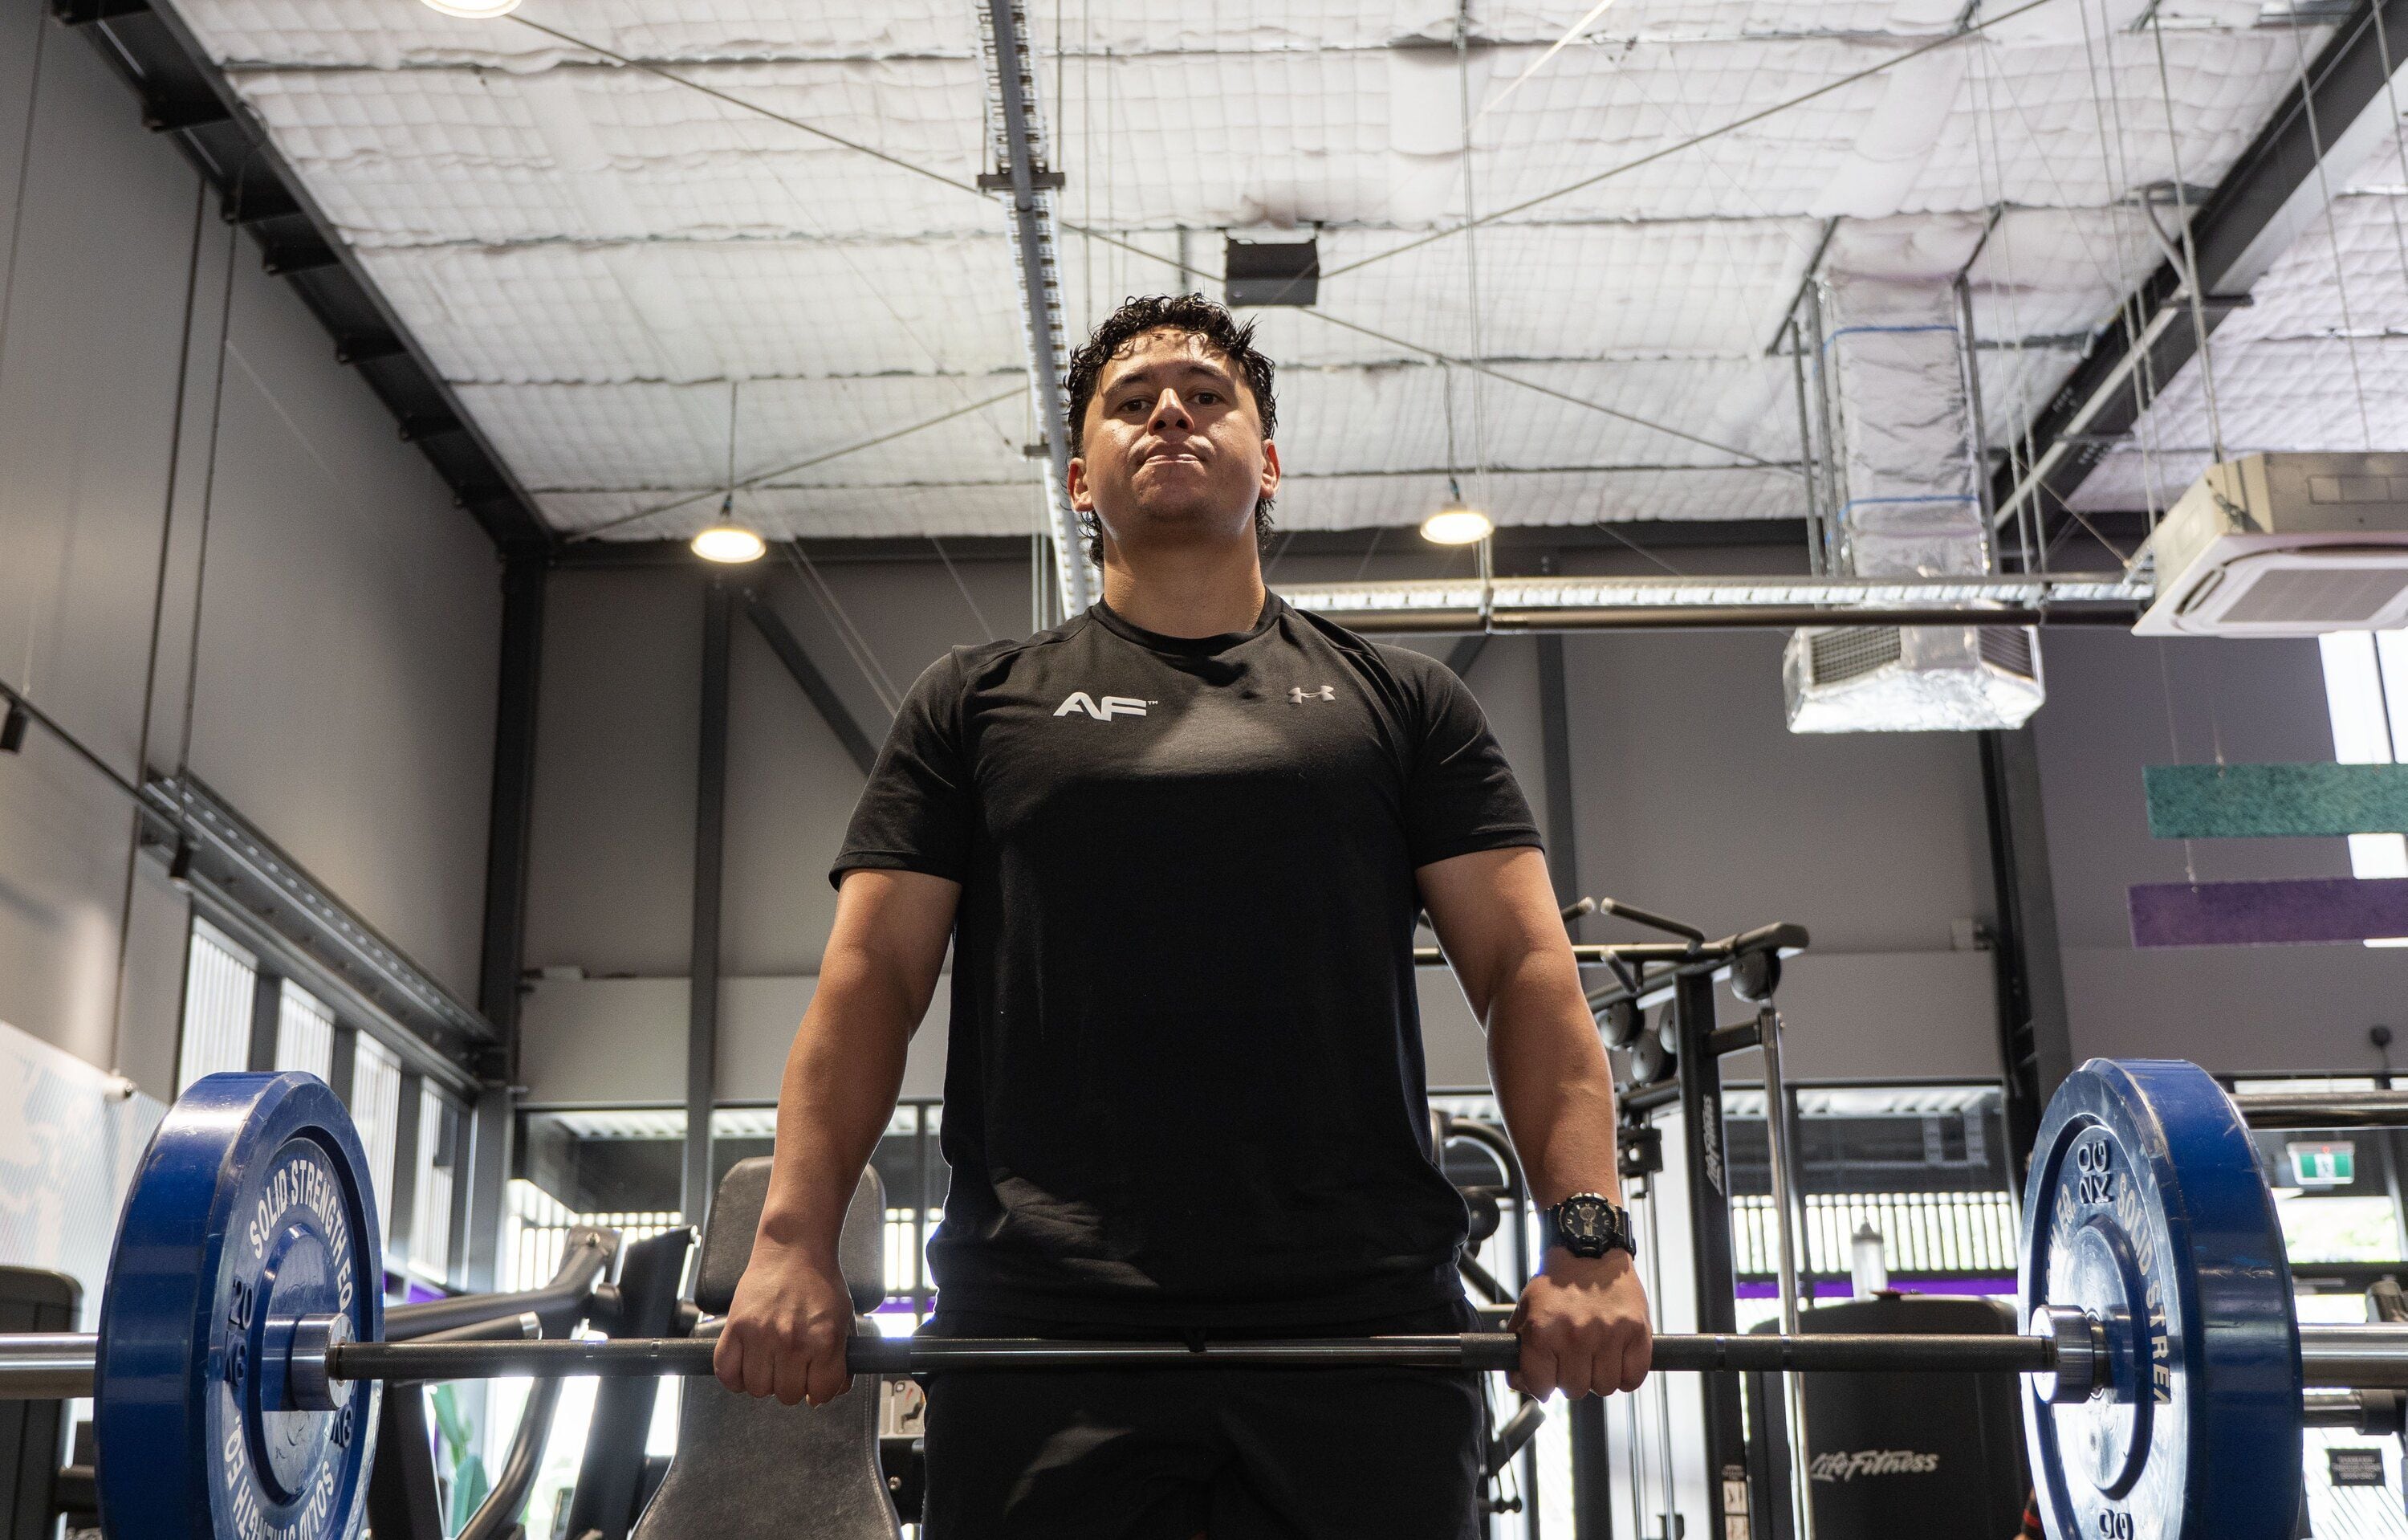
239 1365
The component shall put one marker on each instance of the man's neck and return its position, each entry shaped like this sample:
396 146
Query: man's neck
1186 592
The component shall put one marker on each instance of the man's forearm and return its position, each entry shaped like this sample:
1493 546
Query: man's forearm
841 1078
1553 1081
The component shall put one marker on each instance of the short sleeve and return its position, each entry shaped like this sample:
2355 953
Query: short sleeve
916 814
1460 795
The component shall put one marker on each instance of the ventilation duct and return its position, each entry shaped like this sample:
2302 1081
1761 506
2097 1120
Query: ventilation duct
1895 467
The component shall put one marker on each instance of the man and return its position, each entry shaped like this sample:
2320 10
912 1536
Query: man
1179 844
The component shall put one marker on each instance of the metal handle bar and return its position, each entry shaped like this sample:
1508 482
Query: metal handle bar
2370 1357
2324 1109
1470 1350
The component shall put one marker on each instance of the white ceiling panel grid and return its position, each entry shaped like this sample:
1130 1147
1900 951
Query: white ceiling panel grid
661 436
908 509
706 310
393 34
590 253
411 157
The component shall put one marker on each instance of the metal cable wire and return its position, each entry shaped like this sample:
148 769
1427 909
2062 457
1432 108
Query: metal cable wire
2333 237
1655 156
2190 250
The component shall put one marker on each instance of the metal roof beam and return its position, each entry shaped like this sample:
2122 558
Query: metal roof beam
2276 189
184 93
1019 144
857 743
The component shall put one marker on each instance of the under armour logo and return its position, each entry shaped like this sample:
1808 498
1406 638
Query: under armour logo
1297 695
1112 706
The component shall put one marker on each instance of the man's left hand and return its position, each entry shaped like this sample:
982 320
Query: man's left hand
1584 1328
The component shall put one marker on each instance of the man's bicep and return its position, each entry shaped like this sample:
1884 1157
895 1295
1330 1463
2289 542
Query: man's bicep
1489 908
891 926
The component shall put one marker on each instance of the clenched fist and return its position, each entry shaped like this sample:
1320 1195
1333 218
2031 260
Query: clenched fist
786 1331
1584 1328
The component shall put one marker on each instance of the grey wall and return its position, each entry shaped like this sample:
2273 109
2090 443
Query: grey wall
2117 703
342 696
1691 797
610 890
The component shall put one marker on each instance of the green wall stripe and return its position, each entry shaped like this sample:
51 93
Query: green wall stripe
2233 801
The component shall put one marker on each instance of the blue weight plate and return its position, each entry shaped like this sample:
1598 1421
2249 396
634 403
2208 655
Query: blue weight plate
2146 1208
250 1209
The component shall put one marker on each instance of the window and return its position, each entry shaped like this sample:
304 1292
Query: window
376 1107
1923 1168
304 1033
220 981
430 1202
2366 691
2335 1192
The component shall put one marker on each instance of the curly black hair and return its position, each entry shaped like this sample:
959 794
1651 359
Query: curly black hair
1198 316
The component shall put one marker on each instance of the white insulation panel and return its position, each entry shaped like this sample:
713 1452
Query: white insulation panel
591 249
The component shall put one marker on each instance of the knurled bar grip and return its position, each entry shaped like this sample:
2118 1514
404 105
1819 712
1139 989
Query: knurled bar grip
1834 1353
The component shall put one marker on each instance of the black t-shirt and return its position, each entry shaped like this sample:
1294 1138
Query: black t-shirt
1184 1085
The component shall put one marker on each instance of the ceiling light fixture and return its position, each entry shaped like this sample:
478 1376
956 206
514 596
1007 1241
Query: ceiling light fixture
474 11
727 540
731 544
1456 524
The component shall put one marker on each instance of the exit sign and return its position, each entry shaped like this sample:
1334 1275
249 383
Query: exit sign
2325 1165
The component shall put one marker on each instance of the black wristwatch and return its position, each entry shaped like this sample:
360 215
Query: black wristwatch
1586 1225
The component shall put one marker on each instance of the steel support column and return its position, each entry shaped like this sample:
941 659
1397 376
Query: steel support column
1713 1271
710 849
1556 747
1021 168
2035 1028
486 1168
1592 1471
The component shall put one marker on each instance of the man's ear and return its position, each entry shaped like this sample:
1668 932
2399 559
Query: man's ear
1270 469
1083 497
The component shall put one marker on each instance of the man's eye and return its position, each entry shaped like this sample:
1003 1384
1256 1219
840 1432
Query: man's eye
1206 397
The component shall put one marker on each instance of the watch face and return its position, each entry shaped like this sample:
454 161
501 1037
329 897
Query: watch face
1587 1219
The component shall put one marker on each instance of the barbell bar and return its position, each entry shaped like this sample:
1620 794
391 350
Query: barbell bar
48 1366
239 1367
2324 1109
318 1360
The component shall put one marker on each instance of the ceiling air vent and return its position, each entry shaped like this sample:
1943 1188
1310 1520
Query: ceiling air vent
1840 655
1911 679
1272 272
2273 545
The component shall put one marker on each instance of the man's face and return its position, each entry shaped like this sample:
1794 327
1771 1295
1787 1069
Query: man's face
1171 452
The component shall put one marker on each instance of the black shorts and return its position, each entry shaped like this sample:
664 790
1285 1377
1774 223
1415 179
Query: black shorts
1237 1454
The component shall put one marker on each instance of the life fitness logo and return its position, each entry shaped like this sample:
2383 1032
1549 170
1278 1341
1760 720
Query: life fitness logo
1848 1464
1104 711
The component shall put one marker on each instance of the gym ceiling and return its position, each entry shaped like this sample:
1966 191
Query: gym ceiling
613 232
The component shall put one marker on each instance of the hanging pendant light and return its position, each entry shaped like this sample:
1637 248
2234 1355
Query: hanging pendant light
729 541
474 11
1457 523
731 544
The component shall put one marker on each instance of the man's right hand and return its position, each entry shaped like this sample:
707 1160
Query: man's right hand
786 1331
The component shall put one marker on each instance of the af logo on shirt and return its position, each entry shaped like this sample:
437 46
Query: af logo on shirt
1112 706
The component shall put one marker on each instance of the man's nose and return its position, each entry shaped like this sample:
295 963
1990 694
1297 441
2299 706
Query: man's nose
1168 410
